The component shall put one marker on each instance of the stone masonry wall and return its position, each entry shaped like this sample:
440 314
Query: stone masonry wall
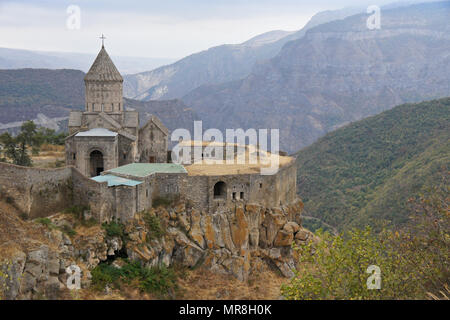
270 191
36 192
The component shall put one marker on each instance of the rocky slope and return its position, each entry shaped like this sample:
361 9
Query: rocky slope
237 242
337 73
240 242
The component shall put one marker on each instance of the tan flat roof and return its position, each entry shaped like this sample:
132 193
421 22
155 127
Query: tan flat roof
202 168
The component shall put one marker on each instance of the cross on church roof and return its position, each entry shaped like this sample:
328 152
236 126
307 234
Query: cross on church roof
103 40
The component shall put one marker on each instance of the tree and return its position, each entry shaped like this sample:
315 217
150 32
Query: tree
414 261
15 148
28 133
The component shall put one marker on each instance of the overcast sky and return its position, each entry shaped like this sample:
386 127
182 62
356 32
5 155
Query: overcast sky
164 28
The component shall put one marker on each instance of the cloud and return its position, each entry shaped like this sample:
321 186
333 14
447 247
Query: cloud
169 29
134 33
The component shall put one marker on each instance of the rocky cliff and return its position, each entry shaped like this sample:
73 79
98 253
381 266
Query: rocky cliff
337 73
237 242
218 64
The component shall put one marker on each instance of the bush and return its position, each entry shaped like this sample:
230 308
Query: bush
160 281
45 221
414 261
153 223
114 229
105 274
68 230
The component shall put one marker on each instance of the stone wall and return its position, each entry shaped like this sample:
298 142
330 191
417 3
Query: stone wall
105 96
36 192
43 192
270 191
82 148
95 195
153 143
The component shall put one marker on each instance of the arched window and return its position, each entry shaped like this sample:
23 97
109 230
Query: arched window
96 163
220 190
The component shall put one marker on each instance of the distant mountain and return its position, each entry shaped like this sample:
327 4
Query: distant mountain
337 73
367 171
25 93
19 59
47 96
218 64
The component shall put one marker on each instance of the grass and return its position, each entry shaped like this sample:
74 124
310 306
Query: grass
161 281
46 222
77 212
49 224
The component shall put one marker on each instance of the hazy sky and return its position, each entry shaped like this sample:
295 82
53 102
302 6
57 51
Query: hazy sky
164 28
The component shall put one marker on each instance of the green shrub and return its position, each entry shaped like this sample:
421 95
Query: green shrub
105 274
158 281
114 229
153 223
45 221
413 261
68 230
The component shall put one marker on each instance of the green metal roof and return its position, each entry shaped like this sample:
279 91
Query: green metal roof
146 169
116 181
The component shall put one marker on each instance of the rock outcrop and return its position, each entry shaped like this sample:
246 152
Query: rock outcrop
236 242
233 242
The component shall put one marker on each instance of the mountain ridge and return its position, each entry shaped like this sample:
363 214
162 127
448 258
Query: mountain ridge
366 171
337 73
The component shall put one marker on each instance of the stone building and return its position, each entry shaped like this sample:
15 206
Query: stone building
125 167
105 135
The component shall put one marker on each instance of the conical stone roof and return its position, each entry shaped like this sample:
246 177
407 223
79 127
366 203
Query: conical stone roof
103 69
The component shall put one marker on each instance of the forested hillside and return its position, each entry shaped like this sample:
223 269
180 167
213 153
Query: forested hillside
366 171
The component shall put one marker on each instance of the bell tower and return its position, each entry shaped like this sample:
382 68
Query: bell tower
104 85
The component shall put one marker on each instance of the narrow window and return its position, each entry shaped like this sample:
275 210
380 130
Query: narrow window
242 195
146 193
234 195
260 185
74 156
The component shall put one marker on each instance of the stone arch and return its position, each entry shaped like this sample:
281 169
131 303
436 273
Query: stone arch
220 190
96 162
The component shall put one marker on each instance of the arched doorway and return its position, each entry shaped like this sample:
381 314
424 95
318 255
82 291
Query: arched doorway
220 190
96 163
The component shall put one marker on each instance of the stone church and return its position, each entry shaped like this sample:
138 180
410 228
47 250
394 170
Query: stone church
105 136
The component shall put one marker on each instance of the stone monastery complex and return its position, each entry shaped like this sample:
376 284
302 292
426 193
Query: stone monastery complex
117 168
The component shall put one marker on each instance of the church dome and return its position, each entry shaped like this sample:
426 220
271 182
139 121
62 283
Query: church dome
103 69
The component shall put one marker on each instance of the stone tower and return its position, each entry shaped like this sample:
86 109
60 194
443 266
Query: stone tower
104 85
105 135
